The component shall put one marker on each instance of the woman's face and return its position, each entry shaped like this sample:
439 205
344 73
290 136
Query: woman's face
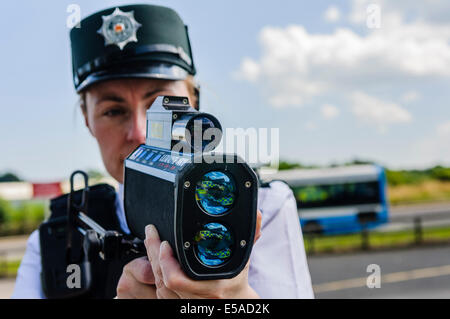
115 115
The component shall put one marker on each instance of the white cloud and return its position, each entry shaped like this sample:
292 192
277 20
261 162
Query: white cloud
249 70
434 11
329 111
410 96
433 147
296 66
443 130
310 126
381 113
332 14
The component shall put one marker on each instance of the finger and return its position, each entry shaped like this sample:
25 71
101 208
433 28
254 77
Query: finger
124 296
177 281
151 239
174 277
141 270
162 291
152 244
258 225
135 290
129 288
166 293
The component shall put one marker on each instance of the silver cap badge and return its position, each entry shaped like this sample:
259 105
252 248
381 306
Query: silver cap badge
119 28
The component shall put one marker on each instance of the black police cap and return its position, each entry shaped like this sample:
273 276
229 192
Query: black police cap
143 41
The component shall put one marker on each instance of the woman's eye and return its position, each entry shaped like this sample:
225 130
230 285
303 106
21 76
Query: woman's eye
114 112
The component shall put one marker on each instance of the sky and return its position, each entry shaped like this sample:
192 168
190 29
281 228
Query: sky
341 80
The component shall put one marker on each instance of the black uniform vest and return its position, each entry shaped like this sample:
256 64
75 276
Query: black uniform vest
101 275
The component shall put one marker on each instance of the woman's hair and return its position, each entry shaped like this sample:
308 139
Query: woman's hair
194 91
190 83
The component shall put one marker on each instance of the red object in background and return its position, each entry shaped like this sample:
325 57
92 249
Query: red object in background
46 190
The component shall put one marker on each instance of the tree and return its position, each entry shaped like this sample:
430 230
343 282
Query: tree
288 165
94 174
440 173
9 177
5 209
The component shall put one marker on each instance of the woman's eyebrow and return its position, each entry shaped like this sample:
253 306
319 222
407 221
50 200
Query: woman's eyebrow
116 98
150 93
110 97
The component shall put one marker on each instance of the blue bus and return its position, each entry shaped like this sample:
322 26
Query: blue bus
338 200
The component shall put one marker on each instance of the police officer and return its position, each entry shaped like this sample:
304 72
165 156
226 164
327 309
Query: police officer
123 58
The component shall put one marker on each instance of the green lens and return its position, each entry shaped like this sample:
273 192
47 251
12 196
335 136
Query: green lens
215 192
213 244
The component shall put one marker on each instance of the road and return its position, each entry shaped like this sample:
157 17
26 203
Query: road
409 273
413 209
11 248
6 288
431 214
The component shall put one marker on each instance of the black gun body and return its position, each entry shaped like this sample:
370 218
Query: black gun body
144 195
156 193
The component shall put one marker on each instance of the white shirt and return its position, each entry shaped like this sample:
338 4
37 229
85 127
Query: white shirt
278 266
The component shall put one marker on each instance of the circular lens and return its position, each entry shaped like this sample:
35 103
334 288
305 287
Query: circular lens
213 244
200 132
198 129
215 192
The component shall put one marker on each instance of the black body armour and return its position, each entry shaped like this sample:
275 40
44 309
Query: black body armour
98 278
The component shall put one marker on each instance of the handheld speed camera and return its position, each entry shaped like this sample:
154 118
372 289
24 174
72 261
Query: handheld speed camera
203 203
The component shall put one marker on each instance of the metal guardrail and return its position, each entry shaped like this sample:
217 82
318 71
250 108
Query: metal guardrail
436 215
417 223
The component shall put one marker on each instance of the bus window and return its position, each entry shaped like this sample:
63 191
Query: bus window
310 196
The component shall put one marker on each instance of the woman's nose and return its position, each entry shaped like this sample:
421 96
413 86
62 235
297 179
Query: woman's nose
136 130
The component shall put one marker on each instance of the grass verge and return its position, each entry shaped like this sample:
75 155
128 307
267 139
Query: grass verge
329 244
427 191
376 240
9 268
